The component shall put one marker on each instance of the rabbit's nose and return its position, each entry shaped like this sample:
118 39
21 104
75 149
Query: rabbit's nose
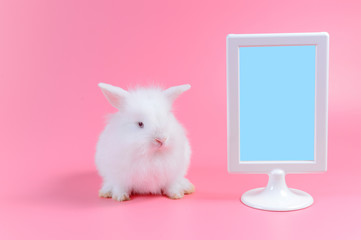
160 141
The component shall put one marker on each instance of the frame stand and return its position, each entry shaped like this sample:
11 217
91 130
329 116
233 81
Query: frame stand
277 196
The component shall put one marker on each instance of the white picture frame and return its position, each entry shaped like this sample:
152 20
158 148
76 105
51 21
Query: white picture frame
234 42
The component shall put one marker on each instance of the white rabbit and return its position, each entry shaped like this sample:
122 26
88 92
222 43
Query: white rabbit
143 148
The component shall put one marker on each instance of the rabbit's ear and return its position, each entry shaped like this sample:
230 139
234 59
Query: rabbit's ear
115 95
173 92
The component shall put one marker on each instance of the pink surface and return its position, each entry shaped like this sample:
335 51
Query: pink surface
53 54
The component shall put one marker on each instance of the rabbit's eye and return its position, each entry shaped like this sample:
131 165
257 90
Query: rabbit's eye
141 124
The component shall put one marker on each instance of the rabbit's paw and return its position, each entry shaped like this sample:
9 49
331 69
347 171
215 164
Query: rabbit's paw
105 194
105 191
179 188
175 195
187 186
120 195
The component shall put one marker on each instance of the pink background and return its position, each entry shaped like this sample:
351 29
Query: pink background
53 54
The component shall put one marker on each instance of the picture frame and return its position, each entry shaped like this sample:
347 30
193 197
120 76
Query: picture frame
321 43
293 67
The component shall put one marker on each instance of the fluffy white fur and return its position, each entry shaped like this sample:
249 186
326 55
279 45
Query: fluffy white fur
149 159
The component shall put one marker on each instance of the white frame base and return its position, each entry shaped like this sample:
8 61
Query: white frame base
277 196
